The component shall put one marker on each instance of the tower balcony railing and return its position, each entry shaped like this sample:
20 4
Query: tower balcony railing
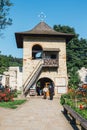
48 62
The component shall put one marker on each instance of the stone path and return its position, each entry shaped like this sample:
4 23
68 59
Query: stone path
35 114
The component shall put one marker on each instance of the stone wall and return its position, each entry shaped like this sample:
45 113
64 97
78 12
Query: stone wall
12 78
29 64
83 74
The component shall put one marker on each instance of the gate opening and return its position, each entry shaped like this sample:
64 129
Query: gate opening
41 83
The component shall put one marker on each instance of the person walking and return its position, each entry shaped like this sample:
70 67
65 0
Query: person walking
51 92
45 89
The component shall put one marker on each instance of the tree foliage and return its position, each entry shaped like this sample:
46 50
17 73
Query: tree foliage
76 51
74 79
7 61
64 29
4 11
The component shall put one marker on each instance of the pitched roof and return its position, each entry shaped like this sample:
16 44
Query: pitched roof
41 29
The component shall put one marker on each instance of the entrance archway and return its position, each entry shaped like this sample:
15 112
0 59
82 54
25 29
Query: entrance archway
41 83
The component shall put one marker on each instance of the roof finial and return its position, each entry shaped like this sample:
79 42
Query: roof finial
42 16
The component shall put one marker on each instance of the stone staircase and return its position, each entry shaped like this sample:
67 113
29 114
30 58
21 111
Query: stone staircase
32 78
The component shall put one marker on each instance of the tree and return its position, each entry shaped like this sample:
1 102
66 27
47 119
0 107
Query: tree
76 51
64 29
74 79
7 61
4 11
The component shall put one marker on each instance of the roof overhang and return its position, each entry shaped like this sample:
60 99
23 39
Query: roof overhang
20 37
41 30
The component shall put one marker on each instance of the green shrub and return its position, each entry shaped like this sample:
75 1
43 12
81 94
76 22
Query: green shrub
62 100
16 93
65 95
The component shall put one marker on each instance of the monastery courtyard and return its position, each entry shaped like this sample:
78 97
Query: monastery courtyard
35 114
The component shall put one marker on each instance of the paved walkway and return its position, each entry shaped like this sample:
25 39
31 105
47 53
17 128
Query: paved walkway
35 114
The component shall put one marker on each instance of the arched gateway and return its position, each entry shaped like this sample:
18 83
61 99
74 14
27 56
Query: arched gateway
44 57
41 83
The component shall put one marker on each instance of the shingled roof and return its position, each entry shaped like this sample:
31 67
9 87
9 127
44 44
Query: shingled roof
41 29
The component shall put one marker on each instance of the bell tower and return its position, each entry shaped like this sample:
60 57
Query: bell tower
44 57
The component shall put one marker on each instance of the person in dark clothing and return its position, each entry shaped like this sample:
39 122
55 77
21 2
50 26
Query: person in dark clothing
51 91
38 91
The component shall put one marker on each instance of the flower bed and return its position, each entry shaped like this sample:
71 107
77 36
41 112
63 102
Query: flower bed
8 98
75 118
6 95
77 101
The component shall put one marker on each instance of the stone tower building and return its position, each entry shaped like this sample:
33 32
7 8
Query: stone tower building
44 58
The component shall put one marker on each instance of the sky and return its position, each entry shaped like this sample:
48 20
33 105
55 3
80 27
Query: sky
24 14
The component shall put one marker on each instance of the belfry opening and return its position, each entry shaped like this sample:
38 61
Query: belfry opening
37 52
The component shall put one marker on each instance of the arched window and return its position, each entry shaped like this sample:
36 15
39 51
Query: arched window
37 52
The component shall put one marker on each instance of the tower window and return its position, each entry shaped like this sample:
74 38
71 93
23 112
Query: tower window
37 52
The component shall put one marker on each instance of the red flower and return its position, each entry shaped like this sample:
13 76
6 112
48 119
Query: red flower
6 99
81 107
3 95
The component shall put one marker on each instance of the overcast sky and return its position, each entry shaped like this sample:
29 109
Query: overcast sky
25 16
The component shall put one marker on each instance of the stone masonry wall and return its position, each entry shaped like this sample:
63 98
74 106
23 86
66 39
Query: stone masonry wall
29 64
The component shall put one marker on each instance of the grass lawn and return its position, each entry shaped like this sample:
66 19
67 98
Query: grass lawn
12 104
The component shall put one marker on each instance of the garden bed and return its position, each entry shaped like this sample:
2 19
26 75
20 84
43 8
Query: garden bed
75 106
76 118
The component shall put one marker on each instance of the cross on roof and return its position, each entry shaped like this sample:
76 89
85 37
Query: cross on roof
42 16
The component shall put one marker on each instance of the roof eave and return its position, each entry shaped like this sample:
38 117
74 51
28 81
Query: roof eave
19 37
